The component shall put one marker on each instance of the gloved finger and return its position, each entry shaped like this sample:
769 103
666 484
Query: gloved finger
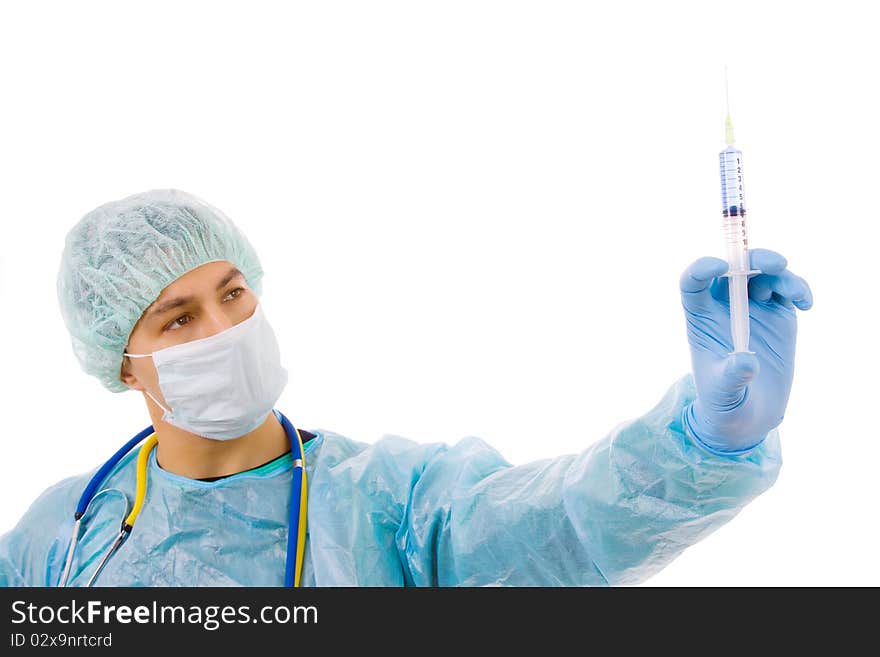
699 274
761 288
697 278
769 262
786 288
737 371
720 289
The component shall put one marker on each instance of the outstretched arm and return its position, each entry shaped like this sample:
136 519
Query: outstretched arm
625 507
616 513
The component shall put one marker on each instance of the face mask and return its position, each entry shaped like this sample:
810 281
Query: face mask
223 386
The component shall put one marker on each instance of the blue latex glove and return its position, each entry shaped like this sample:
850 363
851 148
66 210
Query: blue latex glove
740 397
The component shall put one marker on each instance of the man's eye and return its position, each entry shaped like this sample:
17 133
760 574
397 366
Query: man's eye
173 326
233 294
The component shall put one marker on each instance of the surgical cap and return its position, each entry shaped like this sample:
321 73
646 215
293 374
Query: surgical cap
120 256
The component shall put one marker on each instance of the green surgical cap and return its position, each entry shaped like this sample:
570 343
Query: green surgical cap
120 256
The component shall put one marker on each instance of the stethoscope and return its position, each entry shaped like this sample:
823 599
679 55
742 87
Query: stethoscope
298 503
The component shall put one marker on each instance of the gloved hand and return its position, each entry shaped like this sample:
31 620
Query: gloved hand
741 397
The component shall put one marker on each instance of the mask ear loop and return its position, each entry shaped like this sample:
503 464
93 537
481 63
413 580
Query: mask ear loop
145 390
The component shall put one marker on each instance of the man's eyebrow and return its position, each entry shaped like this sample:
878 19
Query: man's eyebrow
232 274
170 304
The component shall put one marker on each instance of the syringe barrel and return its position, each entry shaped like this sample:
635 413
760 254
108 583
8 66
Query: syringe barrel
733 199
736 244
733 209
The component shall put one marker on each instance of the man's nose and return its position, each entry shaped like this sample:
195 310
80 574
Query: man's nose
215 321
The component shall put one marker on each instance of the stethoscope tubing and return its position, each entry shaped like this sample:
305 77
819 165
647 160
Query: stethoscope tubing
298 504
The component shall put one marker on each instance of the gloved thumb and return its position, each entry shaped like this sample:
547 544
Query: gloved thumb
737 371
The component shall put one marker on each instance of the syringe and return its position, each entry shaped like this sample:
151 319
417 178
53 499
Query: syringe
736 240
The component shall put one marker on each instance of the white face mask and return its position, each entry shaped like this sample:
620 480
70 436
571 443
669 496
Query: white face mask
223 386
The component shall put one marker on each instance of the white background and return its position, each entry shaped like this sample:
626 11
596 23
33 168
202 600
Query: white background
472 217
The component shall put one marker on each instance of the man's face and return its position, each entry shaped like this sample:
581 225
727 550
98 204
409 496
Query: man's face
205 301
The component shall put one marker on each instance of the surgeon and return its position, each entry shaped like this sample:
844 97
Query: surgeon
161 294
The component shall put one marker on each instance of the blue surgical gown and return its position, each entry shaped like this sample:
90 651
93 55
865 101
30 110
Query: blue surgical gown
402 513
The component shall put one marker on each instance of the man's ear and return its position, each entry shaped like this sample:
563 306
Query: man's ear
127 377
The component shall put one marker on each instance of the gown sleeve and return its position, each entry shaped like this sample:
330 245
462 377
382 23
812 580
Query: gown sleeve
614 514
32 553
